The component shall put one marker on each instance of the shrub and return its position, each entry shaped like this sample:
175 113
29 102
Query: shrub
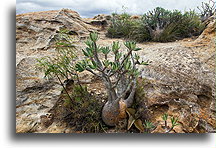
120 26
60 66
158 25
82 113
188 25
164 25
139 32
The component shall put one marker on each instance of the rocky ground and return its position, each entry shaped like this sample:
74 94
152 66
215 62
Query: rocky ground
180 79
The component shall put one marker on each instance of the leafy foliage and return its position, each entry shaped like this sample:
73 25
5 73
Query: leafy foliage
123 64
174 122
60 66
120 26
159 25
82 113
134 120
148 126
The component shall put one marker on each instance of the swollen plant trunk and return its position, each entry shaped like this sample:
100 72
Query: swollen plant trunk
113 112
115 108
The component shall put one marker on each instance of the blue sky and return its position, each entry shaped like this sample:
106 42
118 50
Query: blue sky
90 8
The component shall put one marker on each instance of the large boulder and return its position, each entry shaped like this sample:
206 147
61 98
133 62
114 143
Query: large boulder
177 82
37 30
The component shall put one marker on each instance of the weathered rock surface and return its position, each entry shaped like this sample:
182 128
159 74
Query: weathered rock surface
37 30
180 79
179 83
208 35
100 20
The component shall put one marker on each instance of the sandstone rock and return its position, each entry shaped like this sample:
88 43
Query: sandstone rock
37 30
179 83
102 17
135 17
207 38
35 95
101 21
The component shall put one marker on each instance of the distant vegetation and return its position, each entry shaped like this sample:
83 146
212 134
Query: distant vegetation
207 9
160 25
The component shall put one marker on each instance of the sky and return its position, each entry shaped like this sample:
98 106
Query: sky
90 8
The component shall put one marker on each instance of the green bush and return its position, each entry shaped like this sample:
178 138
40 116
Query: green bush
158 25
120 26
180 26
139 32
83 112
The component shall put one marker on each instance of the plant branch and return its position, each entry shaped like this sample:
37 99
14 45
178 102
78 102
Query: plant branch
128 89
130 98
88 69
64 88
119 78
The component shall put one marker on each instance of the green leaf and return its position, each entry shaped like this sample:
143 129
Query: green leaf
165 117
81 66
118 55
89 43
174 121
128 65
93 65
85 53
115 47
136 72
114 66
78 99
137 49
94 36
130 45
136 56
148 124
47 72
106 63
105 50
144 63
89 51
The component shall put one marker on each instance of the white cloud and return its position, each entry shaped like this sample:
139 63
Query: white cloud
89 8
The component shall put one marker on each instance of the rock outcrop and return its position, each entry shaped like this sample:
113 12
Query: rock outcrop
180 79
208 35
37 30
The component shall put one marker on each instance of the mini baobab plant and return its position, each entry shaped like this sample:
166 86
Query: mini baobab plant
119 74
